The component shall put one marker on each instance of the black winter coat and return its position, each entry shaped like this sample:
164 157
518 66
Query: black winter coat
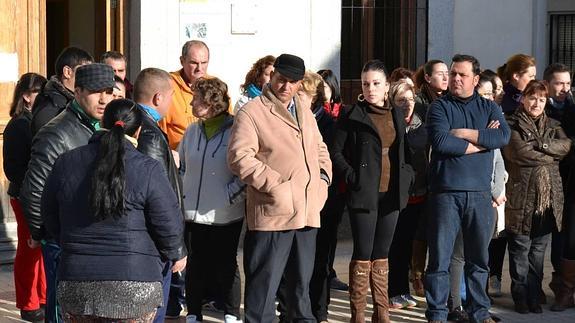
50 102
153 142
129 246
64 133
356 156
16 151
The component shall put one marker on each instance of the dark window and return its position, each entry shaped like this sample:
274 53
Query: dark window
394 31
562 39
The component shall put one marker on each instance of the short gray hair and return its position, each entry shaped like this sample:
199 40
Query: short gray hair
191 43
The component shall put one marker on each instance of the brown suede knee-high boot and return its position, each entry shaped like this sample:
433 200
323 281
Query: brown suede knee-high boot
379 280
566 289
358 284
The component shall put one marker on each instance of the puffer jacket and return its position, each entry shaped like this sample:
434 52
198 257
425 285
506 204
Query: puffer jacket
128 246
212 194
65 132
49 103
532 147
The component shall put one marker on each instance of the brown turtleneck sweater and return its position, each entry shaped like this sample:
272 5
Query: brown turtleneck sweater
382 118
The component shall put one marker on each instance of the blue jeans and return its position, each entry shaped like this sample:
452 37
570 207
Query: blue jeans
449 212
51 253
167 276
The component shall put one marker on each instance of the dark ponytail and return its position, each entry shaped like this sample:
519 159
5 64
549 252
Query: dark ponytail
121 117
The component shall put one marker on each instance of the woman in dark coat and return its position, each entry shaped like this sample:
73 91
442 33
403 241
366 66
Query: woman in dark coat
368 152
117 220
534 193
29 279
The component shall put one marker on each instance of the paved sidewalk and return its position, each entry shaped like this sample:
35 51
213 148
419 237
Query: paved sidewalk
339 307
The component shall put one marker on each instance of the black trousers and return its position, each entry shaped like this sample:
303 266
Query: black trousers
497 249
526 259
568 232
212 261
267 254
400 250
372 230
326 243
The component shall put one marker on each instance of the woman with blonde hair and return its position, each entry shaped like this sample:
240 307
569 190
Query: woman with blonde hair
516 73
411 219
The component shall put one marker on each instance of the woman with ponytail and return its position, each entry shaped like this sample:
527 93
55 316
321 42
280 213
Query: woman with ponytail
117 220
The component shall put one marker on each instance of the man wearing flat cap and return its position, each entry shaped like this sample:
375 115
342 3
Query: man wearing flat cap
70 129
277 150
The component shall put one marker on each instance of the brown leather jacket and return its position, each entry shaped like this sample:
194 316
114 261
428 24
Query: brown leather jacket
533 145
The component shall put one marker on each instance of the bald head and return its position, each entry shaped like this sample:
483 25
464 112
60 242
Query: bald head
153 88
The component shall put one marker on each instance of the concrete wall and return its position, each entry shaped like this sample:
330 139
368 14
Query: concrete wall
560 5
269 27
491 30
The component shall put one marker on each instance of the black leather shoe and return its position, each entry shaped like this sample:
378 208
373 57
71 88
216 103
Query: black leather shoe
521 308
535 308
337 284
36 316
458 315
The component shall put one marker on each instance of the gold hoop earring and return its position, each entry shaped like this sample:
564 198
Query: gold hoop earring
360 97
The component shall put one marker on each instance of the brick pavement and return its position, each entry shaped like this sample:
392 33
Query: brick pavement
339 308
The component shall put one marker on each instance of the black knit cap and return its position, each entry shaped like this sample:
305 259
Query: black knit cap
290 66
95 77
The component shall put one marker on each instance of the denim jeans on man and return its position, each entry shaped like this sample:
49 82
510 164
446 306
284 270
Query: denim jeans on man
51 253
450 212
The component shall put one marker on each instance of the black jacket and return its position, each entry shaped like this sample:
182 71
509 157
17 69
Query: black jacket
154 143
64 133
49 103
356 156
128 246
17 143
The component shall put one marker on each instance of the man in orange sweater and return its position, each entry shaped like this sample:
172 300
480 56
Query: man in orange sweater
195 58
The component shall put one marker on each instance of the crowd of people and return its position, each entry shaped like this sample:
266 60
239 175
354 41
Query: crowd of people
131 198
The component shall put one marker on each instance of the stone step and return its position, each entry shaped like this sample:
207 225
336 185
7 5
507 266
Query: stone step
7 257
8 232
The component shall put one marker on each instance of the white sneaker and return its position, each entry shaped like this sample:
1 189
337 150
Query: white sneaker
397 302
411 302
229 318
191 319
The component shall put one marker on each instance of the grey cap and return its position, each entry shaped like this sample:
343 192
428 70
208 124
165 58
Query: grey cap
95 77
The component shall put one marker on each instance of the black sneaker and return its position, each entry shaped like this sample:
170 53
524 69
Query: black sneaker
337 284
458 315
36 316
